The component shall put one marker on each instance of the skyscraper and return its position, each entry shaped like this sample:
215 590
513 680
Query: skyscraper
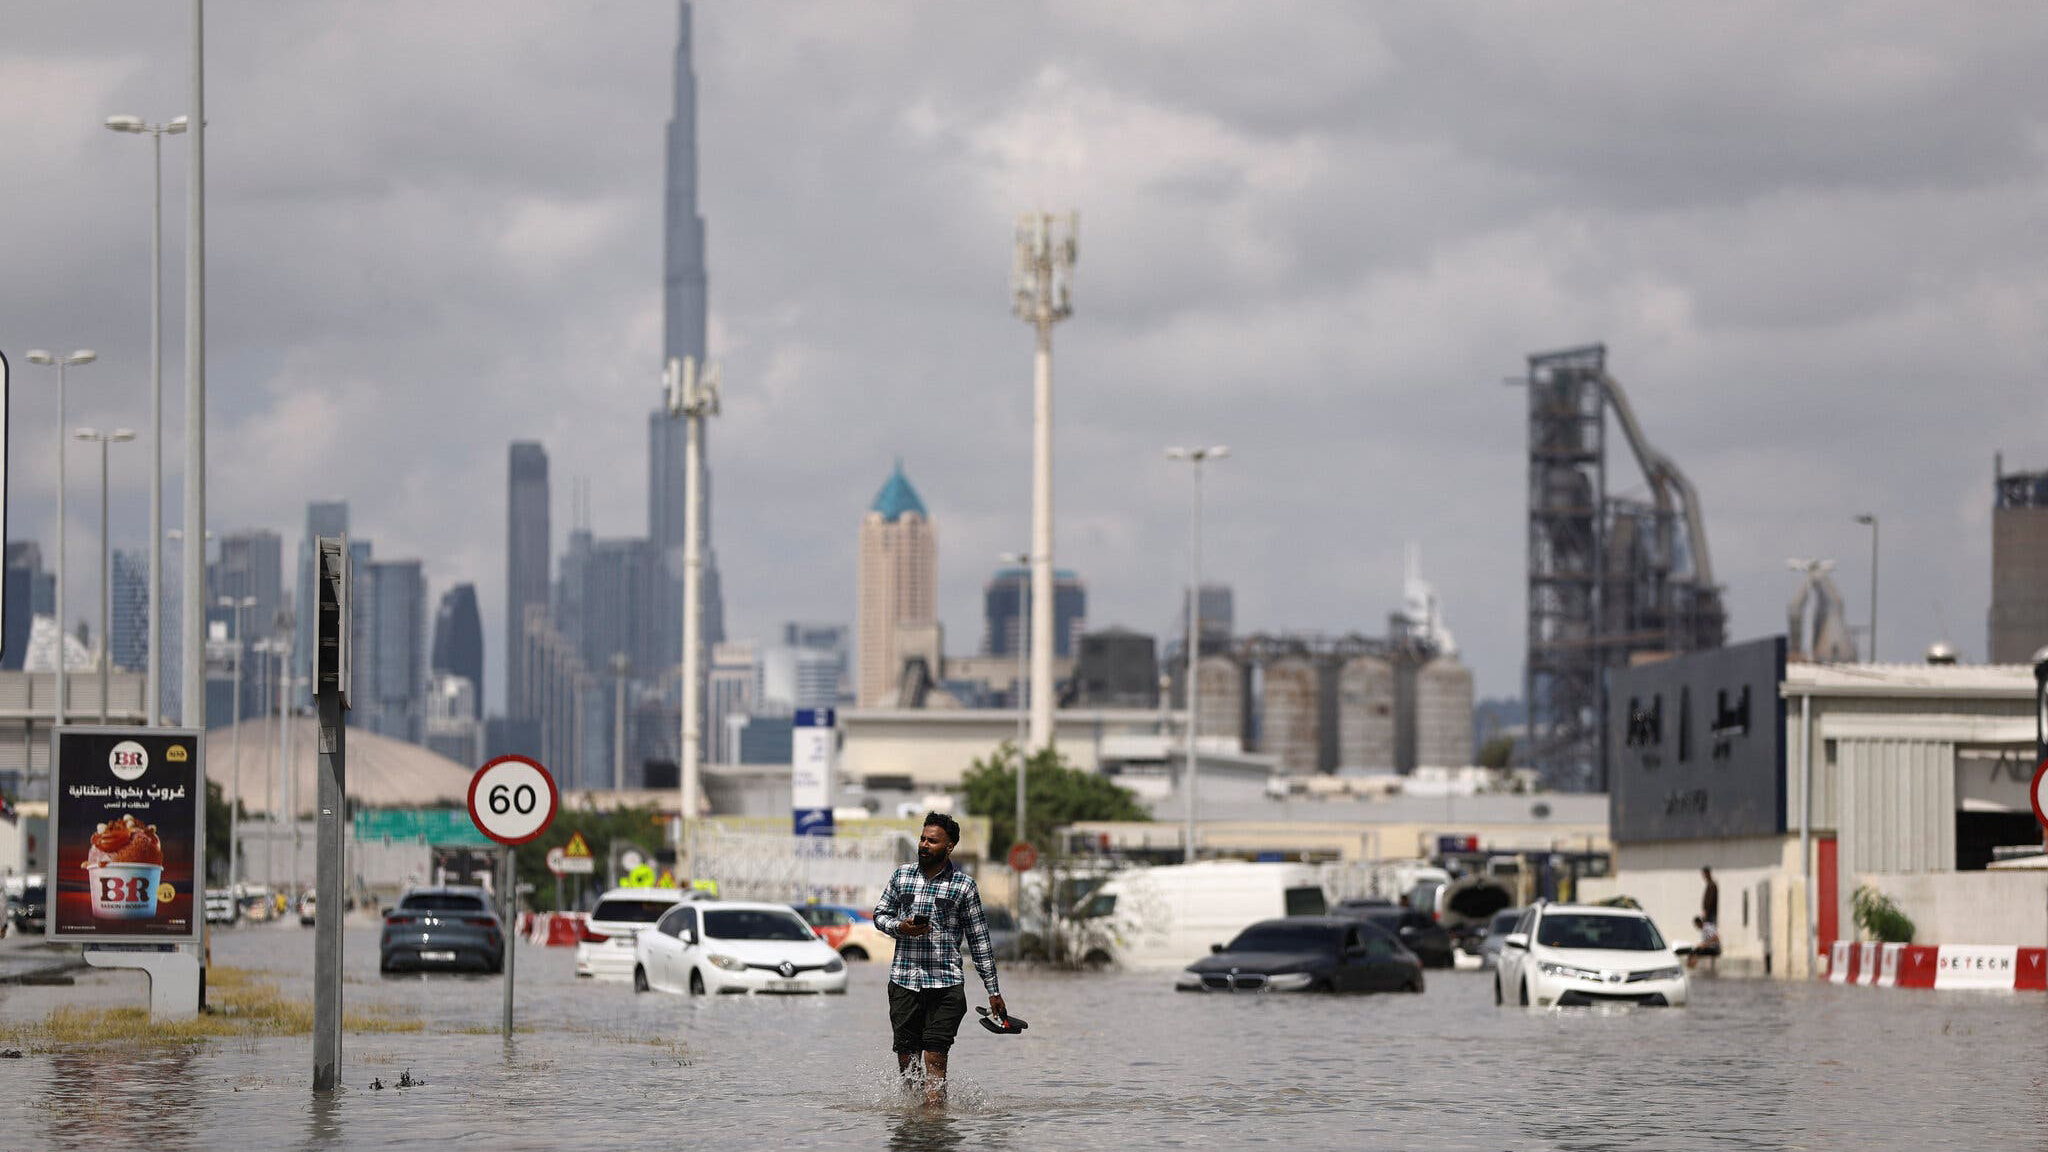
898 581
129 631
526 563
392 599
459 641
685 287
30 592
249 566
2019 565
323 518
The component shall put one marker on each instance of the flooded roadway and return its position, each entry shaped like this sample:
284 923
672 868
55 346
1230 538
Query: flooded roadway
1115 1061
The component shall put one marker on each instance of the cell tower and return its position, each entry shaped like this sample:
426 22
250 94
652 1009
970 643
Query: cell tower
1609 577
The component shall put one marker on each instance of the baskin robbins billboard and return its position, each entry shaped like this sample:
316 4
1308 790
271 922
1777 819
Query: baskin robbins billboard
126 821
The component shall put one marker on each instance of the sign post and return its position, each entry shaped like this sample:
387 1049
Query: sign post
331 669
512 800
814 746
128 851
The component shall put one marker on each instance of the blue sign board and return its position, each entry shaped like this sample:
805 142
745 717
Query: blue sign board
813 747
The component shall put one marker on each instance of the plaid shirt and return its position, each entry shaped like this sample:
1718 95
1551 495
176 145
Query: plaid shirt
953 904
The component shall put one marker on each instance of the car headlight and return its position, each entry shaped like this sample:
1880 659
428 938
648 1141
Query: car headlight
837 965
1549 969
1188 978
1290 981
729 963
1656 974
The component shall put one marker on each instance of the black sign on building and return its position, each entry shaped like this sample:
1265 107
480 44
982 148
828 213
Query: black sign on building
1697 745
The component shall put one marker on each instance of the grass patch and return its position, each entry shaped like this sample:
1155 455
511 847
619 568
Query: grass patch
240 1004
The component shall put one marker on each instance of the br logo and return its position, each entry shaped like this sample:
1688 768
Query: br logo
128 760
123 889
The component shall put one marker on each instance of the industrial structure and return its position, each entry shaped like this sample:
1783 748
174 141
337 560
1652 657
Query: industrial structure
1610 577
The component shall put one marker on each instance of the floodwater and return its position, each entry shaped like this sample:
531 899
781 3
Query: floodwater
1112 1061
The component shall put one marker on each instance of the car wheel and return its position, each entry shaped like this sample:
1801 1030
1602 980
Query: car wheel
1096 960
696 982
1525 992
639 979
1416 986
853 952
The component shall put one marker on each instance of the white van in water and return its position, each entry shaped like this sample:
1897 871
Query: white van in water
1171 915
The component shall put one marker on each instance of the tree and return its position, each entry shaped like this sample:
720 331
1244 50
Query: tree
1056 794
219 820
1496 752
644 827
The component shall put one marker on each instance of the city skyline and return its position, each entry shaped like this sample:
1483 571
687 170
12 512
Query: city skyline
1781 259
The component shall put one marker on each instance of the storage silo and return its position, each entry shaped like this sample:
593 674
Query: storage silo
1288 713
1221 698
1365 713
1443 713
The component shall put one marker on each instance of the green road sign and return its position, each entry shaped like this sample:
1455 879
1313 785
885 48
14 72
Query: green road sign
449 827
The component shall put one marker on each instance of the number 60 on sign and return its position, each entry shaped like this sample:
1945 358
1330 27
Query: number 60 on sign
512 799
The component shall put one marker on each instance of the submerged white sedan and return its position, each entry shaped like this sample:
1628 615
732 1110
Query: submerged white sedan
1566 955
734 946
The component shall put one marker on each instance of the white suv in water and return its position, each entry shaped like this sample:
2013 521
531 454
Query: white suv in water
1567 955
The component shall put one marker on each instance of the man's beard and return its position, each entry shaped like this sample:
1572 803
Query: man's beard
929 855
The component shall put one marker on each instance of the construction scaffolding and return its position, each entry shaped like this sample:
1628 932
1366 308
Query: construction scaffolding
1609 577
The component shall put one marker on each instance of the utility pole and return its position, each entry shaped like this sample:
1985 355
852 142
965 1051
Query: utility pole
620 667
331 658
692 394
1041 290
1195 457
193 625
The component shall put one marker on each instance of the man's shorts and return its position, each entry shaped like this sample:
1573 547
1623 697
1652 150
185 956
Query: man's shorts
926 1021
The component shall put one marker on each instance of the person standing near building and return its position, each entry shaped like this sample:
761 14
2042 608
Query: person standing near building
1710 900
931 907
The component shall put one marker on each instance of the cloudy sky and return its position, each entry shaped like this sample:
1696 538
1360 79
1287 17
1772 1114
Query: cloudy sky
1319 232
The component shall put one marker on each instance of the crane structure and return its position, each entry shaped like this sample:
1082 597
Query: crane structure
1611 578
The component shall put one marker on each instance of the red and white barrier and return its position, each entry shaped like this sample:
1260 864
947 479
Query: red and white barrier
556 929
1990 967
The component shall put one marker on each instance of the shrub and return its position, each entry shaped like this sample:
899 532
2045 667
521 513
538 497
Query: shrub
1877 915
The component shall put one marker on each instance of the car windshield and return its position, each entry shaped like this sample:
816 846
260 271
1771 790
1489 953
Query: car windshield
443 902
1286 938
755 924
1591 930
629 910
1504 922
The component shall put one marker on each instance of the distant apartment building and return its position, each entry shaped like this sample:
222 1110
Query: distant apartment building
2019 566
832 641
392 595
557 693
1006 615
30 592
897 583
732 690
608 600
451 724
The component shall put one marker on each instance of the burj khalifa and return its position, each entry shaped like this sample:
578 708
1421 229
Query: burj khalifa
684 290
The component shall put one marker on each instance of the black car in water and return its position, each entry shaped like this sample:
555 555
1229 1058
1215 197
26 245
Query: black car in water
1417 931
447 928
1306 954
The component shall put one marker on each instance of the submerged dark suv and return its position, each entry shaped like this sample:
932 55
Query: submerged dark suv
447 928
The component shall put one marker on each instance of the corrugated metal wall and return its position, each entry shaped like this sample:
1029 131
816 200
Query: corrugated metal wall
1897 806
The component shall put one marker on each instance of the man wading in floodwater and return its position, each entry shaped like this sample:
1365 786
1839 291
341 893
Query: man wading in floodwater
930 907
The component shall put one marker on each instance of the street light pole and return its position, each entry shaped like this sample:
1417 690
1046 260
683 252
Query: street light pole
1021 559
1195 457
1870 519
237 604
106 653
156 133
82 356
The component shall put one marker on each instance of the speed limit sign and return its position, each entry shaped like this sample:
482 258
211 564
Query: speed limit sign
512 799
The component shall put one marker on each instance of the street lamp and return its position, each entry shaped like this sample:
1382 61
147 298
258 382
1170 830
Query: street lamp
156 132
236 604
1022 560
1868 518
82 356
1195 457
117 436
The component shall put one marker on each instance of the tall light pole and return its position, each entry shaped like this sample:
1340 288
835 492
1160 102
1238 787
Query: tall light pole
237 604
692 394
621 667
82 356
1871 519
192 624
1195 457
1041 290
1023 591
156 133
106 654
